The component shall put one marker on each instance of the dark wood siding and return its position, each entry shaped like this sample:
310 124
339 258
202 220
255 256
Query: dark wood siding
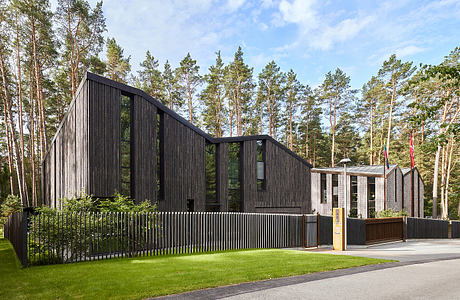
104 139
144 149
287 183
249 175
85 156
184 163
66 163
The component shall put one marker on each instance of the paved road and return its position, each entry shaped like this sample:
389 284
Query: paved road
428 269
434 280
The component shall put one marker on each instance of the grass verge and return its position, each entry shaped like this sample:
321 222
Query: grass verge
142 277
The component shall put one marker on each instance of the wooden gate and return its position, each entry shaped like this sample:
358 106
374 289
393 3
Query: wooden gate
384 229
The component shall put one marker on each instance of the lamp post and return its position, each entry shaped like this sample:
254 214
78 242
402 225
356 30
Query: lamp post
345 161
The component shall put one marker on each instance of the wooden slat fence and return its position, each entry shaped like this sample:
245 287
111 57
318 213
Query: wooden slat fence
72 237
15 230
384 229
418 228
455 229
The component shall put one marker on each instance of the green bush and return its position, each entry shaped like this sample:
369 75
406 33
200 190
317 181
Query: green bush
85 227
389 213
10 205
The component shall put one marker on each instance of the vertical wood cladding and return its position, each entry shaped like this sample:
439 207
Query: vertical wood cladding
85 156
184 163
287 181
104 139
143 135
66 163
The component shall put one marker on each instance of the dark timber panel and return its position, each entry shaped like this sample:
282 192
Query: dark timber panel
249 175
69 183
81 139
184 162
144 149
222 175
104 139
287 182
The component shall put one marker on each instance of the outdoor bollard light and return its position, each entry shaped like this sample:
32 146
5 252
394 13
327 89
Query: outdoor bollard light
345 161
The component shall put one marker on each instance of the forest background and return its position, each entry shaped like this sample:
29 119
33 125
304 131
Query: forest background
45 53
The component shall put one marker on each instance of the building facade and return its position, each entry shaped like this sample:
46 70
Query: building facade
368 189
116 138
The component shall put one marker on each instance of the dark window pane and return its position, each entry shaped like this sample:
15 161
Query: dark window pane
234 191
354 196
335 191
125 147
210 173
323 189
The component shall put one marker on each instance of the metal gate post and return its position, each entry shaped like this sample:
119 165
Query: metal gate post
303 231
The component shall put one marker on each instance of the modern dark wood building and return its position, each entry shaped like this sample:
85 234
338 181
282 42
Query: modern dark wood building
116 138
369 190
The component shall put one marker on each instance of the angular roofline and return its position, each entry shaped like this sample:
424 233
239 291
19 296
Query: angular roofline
135 91
332 170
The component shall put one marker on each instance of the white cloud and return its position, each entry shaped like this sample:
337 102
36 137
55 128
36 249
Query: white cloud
233 5
318 30
408 50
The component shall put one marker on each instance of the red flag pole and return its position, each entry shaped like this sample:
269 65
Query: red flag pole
411 178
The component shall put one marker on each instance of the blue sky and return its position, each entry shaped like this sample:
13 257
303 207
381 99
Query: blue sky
310 36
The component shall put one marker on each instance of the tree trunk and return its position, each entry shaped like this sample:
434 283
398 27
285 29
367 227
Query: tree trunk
10 122
32 144
20 117
390 118
290 125
43 142
435 183
10 151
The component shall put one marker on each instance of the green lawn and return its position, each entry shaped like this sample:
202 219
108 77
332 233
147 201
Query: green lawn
143 277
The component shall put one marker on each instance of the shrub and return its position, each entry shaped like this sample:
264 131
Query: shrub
10 205
389 213
84 228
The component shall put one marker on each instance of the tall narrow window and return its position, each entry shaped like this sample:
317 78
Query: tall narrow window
234 186
126 104
160 156
335 190
261 165
323 188
353 196
210 173
371 197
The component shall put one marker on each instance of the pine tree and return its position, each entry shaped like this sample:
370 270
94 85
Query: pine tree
394 74
213 96
188 80
81 29
336 95
293 90
171 93
118 66
150 77
239 89
270 95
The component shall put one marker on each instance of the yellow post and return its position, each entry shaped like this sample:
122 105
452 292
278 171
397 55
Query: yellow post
338 228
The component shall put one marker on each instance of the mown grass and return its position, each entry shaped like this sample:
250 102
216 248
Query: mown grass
143 277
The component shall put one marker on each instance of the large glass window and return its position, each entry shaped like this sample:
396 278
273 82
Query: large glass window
160 156
353 196
261 165
234 186
323 188
211 188
371 197
126 104
335 190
